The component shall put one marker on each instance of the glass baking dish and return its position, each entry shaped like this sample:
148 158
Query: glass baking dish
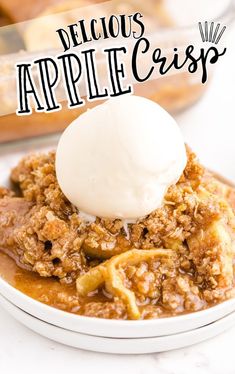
169 27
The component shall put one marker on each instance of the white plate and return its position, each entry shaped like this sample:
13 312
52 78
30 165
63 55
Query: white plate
96 326
119 346
114 328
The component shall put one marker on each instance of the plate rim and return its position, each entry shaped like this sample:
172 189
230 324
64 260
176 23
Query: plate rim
118 328
119 346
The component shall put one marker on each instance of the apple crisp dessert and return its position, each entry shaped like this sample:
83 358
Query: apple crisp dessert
178 259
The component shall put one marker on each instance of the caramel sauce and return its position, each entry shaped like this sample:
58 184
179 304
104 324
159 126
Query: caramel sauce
46 290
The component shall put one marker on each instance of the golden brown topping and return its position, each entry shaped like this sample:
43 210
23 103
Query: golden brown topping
43 232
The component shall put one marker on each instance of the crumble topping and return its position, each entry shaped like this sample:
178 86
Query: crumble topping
44 233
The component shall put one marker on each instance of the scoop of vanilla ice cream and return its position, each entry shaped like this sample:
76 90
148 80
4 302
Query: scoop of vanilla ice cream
118 159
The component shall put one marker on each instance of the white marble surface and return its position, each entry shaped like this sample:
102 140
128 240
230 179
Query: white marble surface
209 127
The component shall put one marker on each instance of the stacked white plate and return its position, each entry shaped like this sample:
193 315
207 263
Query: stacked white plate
110 336
116 336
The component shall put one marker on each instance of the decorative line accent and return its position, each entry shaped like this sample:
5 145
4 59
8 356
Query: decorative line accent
211 31
206 31
208 34
216 32
201 31
220 34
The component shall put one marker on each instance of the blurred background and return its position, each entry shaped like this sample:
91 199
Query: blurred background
26 29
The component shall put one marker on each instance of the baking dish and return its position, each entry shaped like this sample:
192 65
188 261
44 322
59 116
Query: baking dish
174 92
